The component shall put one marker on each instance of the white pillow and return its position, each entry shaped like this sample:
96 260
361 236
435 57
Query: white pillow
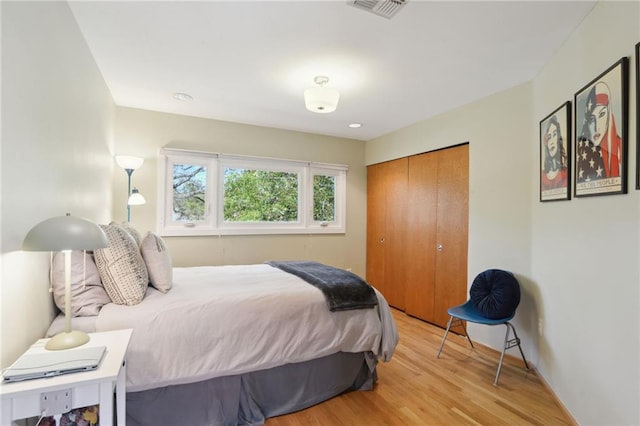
87 295
121 267
156 257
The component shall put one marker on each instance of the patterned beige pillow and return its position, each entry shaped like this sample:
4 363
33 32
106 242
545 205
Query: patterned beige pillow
158 261
87 293
131 230
121 267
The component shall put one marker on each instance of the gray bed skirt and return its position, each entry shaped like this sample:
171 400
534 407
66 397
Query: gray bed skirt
249 399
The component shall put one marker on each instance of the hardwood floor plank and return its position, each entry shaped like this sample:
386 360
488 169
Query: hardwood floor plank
416 388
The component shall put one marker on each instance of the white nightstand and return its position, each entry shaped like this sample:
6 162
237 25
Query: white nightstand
22 399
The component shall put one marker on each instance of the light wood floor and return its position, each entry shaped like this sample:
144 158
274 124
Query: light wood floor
416 388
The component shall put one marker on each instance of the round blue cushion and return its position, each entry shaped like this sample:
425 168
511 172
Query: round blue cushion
495 293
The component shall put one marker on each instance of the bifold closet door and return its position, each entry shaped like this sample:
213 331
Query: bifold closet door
387 229
452 231
421 241
437 218
375 227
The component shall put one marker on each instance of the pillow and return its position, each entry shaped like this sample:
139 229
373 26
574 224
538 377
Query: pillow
158 261
495 293
131 230
122 270
87 296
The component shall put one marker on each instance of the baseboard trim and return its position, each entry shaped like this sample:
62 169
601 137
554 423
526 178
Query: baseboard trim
555 397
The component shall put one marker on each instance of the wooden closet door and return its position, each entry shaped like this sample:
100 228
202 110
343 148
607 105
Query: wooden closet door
395 231
452 231
421 240
376 213
386 229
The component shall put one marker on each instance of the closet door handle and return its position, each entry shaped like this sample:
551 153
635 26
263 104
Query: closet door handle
381 240
439 247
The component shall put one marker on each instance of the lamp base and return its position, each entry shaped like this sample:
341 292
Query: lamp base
65 340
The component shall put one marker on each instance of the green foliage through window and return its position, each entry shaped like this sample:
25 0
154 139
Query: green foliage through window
324 201
260 196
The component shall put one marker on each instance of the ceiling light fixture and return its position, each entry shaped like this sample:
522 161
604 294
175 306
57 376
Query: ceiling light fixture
355 125
321 99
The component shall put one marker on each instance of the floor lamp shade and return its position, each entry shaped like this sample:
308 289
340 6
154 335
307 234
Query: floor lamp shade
136 198
129 164
65 233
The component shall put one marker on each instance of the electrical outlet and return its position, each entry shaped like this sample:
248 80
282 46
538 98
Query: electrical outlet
56 402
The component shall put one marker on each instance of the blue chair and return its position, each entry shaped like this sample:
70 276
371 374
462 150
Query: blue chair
494 297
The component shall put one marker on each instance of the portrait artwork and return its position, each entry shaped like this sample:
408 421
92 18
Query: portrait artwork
638 116
555 155
601 110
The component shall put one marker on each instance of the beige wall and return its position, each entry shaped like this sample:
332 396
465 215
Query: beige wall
55 158
580 275
497 129
586 252
577 261
142 133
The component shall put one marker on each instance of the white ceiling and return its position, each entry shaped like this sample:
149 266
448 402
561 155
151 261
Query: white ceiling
250 61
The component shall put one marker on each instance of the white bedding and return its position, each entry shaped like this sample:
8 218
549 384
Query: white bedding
225 320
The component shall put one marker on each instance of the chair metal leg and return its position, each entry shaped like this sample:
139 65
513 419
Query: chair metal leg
519 347
509 343
466 333
445 336
453 320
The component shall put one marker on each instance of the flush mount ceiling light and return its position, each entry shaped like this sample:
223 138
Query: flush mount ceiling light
321 99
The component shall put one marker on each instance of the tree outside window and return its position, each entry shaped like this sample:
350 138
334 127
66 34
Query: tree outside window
324 198
260 196
189 192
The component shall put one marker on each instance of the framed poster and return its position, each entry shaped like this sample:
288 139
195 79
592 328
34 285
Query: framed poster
555 154
637 116
601 111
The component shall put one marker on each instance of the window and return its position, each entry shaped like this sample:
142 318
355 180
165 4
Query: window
215 194
189 192
324 198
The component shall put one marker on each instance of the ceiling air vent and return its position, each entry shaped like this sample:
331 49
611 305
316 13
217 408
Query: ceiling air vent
384 8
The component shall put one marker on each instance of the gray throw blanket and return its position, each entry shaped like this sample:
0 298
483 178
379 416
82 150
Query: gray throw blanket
342 289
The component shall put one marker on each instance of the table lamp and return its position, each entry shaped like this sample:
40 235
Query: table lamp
66 233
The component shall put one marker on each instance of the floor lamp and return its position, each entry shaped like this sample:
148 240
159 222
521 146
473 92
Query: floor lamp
129 164
65 233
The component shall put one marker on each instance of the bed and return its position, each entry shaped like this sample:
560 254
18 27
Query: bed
237 344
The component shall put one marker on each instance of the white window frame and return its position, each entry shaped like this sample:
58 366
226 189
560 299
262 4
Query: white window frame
214 223
320 169
166 225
